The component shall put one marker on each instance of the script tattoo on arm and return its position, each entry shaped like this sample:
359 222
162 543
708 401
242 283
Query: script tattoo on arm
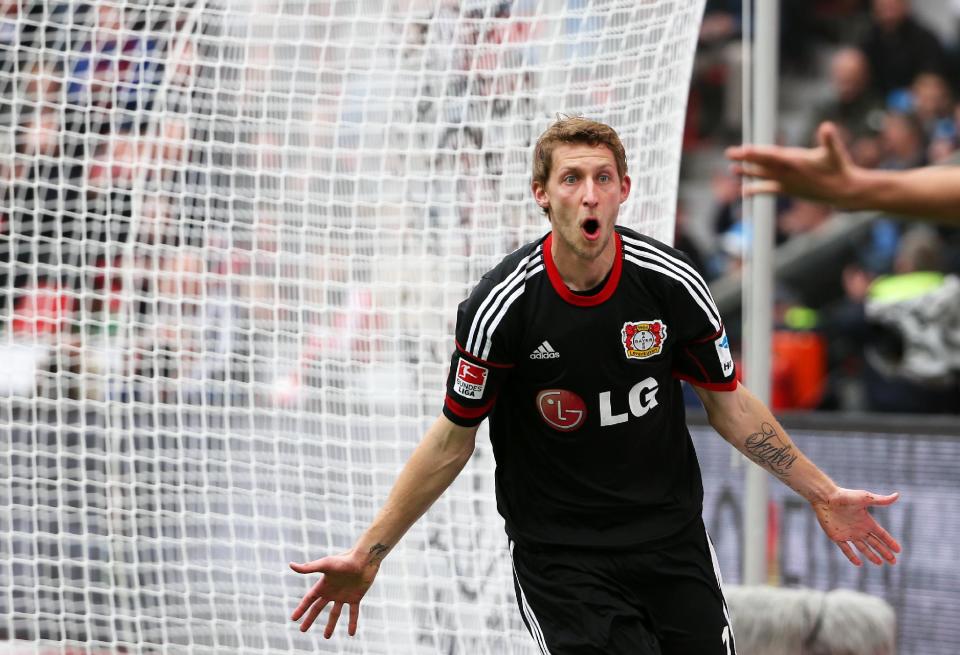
378 552
767 449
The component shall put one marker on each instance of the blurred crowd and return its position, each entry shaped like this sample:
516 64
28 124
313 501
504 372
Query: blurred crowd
74 84
80 147
870 322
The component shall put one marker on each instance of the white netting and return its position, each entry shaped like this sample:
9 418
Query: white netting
234 238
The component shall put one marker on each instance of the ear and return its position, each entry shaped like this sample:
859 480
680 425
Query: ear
625 184
540 195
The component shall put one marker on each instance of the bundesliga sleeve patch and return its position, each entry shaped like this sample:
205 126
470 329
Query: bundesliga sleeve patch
643 339
723 353
471 380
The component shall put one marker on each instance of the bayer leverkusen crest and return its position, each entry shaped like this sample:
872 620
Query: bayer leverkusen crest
643 339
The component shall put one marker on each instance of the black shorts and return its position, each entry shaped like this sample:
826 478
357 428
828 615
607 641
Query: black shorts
661 602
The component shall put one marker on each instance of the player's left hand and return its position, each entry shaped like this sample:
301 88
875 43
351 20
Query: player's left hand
845 519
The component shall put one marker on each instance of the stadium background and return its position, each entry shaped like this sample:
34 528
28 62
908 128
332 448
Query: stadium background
233 237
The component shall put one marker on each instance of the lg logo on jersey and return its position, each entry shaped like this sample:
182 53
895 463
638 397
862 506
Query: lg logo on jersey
562 410
565 411
641 398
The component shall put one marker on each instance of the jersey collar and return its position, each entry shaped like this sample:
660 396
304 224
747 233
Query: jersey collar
574 299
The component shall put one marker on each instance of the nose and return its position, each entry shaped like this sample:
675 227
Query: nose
589 194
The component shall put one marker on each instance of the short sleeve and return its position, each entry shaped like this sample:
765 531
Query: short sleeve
702 353
482 357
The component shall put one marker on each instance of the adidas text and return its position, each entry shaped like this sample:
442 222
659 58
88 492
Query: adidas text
540 355
544 351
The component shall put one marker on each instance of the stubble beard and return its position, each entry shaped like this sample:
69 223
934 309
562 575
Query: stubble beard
577 249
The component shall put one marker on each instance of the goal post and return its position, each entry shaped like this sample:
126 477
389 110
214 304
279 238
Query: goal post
236 237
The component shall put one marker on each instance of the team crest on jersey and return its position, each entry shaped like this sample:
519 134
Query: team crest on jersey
643 339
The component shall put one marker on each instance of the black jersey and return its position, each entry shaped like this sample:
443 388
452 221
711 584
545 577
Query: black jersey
583 393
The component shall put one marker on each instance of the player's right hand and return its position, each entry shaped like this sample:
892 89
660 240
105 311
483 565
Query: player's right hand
345 580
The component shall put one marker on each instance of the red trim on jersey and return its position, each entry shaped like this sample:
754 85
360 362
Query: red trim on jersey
583 301
697 361
467 412
482 361
715 335
712 386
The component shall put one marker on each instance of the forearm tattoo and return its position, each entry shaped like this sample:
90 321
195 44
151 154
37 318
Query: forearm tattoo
767 449
378 552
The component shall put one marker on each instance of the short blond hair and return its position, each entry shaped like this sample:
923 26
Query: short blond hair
575 129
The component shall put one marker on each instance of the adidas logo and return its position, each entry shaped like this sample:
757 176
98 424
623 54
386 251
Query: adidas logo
544 351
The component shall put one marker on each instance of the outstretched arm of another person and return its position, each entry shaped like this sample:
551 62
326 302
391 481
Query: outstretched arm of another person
827 174
433 466
747 424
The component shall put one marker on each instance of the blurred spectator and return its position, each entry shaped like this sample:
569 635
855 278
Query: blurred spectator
841 21
115 70
943 148
76 80
800 32
32 38
727 217
933 105
953 47
845 330
683 241
902 148
854 106
115 162
912 356
714 107
899 48
802 216
721 22
728 209
40 204
40 87
732 236
902 142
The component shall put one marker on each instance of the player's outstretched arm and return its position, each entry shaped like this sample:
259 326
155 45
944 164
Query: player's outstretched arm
345 579
748 425
827 174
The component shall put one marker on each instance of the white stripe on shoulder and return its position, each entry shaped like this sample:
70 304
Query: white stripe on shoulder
672 274
502 290
680 268
637 244
487 340
648 251
484 340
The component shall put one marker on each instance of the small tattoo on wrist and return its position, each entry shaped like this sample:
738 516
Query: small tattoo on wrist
378 552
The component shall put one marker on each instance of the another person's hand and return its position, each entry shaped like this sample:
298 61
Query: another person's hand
825 173
345 580
845 519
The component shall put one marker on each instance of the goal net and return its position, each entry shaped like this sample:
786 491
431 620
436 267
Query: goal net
234 237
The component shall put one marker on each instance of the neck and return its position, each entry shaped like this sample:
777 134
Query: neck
581 273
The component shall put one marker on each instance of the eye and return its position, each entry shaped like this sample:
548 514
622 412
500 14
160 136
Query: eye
604 178
569 179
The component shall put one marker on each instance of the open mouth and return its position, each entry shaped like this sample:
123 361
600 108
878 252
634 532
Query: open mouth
591 229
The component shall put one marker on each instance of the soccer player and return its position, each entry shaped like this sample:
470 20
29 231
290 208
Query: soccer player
574 347
827 174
